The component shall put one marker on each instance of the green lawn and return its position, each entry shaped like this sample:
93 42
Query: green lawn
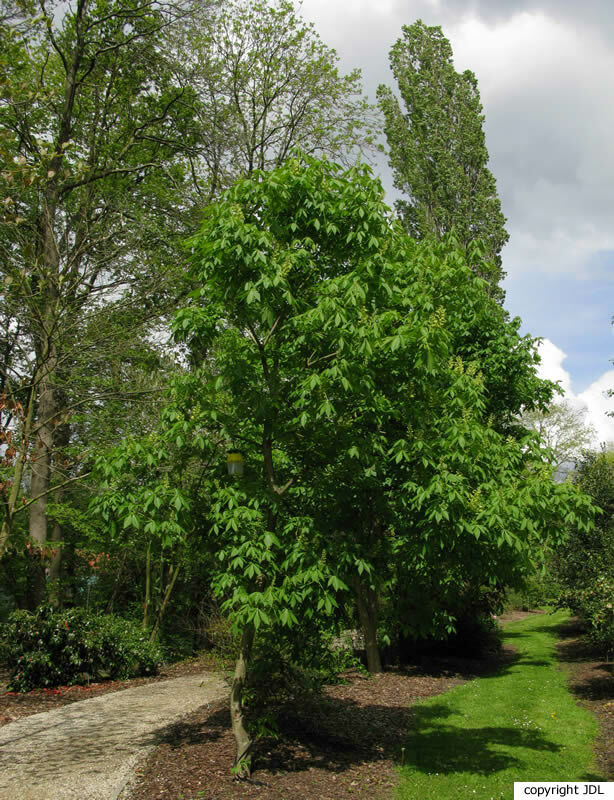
521 724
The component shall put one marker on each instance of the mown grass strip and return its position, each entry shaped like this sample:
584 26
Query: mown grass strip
521 724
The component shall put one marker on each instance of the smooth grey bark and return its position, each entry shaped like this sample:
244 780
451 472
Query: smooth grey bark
41 467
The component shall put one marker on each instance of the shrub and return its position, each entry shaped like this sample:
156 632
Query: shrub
302 661
584 564
535 591
594 604
53 648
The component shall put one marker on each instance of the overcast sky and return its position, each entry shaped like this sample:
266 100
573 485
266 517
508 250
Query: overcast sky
546 76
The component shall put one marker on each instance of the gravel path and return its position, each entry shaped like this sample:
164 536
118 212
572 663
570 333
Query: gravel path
88 750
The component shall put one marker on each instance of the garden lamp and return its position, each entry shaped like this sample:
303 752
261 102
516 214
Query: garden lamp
235 462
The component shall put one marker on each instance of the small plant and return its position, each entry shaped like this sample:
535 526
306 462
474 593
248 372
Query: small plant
54 648
295 672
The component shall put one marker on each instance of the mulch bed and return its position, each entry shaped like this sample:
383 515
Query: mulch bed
591 679
16 705
346 743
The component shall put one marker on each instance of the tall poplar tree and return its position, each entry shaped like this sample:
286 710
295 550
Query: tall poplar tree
437 148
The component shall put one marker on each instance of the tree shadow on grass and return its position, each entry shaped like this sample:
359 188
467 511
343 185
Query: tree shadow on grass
436 746
563 630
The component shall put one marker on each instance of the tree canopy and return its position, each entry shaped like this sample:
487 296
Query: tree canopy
116 124
325 345
437 148
267 83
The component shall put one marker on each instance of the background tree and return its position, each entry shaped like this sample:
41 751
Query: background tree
94 134
266 84
563 430
116 126
437 148
429 502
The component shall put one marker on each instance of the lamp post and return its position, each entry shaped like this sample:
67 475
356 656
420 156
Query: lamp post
235 462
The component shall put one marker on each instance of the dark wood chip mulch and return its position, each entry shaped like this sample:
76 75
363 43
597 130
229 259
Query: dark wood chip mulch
344 744
591 679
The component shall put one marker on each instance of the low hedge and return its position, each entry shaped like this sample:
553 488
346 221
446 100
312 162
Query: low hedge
57 648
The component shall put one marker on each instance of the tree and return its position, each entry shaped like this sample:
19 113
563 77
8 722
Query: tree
302 337
564 431
115 125
267 84
94 135
281 261
437 149
268 252
320 346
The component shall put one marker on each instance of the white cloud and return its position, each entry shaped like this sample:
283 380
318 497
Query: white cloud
528 49
594 399
546 85
545 70
551 366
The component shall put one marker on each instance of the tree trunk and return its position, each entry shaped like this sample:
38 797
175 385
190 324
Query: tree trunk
5 532
61 439
41 475
44 441
47 362
55 566
11 503
366 600
172 577
243 759
147 587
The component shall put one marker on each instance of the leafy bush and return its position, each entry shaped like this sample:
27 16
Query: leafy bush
595 604
584 565
536 590
302 662
54 648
